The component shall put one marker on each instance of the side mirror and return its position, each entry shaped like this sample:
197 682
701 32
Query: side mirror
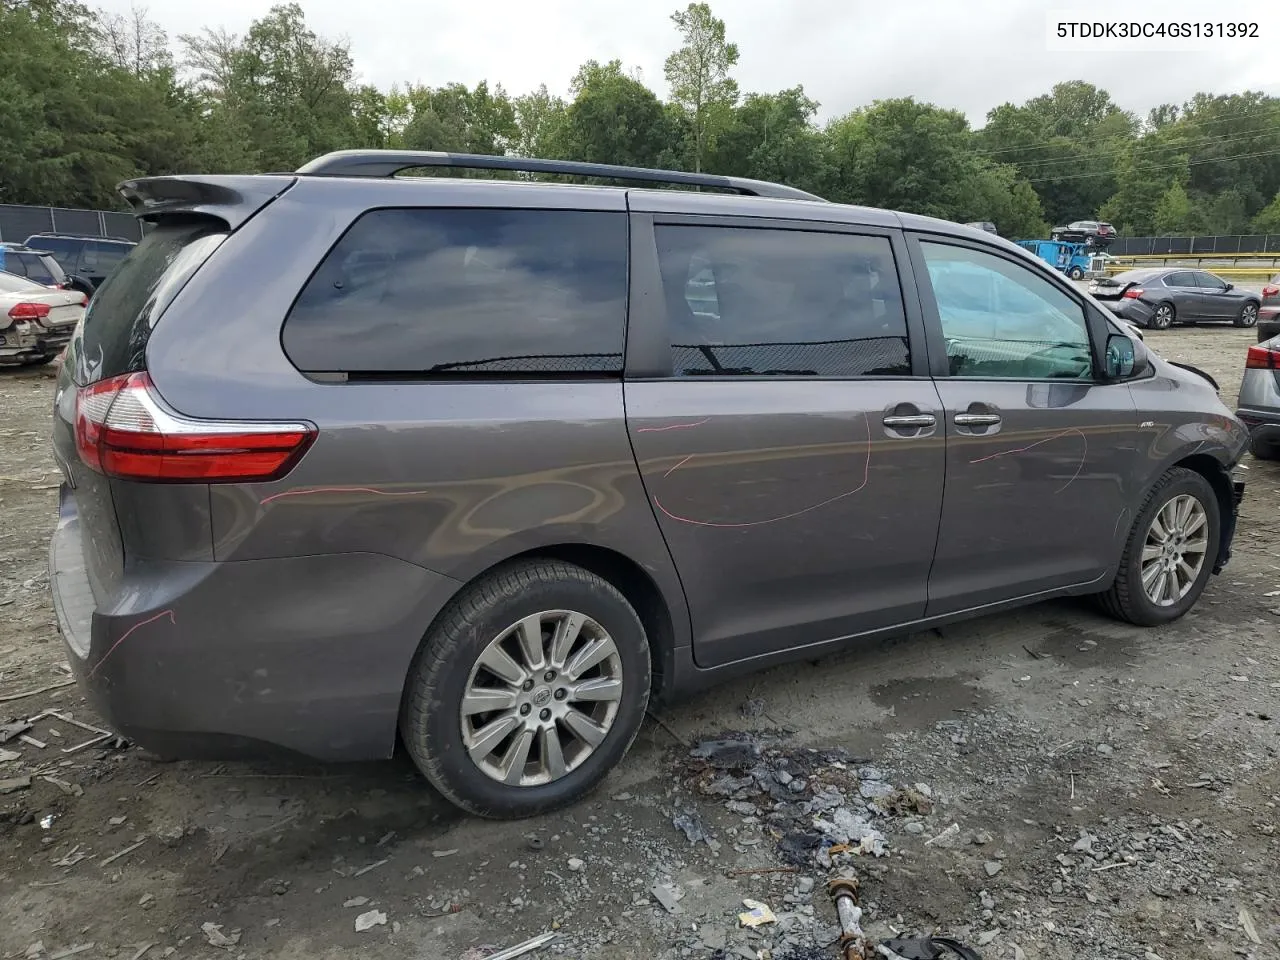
1120 357
1230 286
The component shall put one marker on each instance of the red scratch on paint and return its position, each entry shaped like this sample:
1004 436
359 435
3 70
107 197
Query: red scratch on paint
673 426
866 475
308 491
1084 453
128 633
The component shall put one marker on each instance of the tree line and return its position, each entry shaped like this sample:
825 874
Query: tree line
88 99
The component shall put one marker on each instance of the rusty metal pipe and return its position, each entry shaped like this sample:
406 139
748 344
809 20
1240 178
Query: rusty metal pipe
853 941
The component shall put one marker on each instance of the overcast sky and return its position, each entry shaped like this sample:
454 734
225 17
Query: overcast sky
970 55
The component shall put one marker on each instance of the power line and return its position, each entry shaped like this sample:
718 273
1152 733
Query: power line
1167 166
1272 113
1190 146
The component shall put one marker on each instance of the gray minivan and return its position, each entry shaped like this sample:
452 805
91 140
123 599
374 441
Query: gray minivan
487 464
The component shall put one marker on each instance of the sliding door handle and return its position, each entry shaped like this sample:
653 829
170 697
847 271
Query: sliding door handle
910 420
977 419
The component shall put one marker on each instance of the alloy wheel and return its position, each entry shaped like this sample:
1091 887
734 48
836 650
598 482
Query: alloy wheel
1164 316
541 697
1248 315
1175 550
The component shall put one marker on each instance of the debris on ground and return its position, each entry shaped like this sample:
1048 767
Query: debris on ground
213 933
369 920
756 914
14 784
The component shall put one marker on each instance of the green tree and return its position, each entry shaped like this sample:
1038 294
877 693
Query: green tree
613 118
283 89
1268 218
1174 215
1066 143
540 120
698 75
771 136
460 119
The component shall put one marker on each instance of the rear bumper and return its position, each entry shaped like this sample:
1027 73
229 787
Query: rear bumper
219 660
1135 311
24 342
1264 425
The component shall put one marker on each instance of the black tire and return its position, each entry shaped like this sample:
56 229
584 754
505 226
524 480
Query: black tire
1164 316
1127 599
430 721
1263 451
1248 315
1075 273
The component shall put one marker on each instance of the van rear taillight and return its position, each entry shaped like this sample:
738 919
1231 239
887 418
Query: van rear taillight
1262 358
1270 290
124 430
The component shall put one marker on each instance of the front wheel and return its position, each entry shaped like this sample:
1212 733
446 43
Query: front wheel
1248 316
1163 317
528 690
1075 273
1170 552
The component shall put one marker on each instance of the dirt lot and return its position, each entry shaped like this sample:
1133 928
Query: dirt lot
1114 794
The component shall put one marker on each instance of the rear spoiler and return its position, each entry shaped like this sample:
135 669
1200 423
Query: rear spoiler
233 199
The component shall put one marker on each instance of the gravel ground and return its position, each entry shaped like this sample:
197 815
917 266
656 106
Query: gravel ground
1045 784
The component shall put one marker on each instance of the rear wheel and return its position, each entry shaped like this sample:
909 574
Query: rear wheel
530 687
1248 316
1170 552
1075 273
1163 317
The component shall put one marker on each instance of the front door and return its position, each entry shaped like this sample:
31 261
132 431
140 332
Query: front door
789 437
1037 450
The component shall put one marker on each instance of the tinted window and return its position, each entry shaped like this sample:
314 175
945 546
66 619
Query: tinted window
1209 282
1182 279
124 309
41 268
1002 320
467 291
750 302
56 245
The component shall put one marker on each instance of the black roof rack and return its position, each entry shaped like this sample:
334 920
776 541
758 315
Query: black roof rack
388 163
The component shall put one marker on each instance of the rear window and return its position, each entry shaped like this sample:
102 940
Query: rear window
455 292
42 268
125 308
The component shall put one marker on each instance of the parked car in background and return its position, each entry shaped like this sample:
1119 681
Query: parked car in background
1259 400
985 225
1269 310
1097 233
488 463
1157 297
36 321
37 265
93 258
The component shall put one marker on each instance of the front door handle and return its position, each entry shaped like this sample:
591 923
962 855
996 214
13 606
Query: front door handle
910 420
977 419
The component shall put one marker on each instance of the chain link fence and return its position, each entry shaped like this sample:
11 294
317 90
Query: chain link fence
18 222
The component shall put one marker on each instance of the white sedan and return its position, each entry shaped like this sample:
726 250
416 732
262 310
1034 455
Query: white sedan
36 322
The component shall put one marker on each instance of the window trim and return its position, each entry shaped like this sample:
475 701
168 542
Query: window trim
1094 325
648 348
360 376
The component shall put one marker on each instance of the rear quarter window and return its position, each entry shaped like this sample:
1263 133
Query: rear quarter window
451 292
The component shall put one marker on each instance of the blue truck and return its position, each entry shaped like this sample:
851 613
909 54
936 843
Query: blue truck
1076 260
